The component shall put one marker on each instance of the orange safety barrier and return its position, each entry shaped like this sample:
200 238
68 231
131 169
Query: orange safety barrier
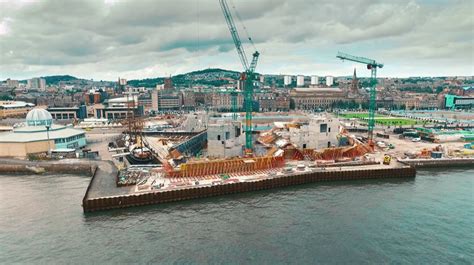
203 168
336 153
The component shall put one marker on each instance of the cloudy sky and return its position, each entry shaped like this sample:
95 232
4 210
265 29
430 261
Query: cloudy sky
105 39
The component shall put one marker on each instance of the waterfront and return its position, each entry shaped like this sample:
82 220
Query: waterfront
423 220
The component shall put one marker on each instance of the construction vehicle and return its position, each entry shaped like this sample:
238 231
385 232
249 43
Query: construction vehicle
372 65
248 76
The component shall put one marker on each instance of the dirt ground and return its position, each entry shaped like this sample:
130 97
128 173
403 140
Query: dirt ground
406 145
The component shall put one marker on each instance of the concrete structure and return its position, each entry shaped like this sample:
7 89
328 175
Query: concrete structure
315 97
319 132
14 109
39 135
329 80
224 139
300 80
314 80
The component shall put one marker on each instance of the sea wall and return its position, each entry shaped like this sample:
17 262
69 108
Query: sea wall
439 162
103 203
29 167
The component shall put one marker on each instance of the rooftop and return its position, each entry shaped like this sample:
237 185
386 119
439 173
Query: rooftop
32 136
14 104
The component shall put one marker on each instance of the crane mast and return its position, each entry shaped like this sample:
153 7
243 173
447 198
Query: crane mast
248 76
372 65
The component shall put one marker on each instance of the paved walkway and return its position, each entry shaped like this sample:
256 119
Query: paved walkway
102 185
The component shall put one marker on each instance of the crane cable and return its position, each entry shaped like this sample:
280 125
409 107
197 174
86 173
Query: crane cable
243 25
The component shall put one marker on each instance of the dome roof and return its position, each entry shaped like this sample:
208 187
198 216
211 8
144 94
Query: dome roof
39 117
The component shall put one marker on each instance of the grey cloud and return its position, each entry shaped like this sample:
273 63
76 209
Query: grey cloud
133 35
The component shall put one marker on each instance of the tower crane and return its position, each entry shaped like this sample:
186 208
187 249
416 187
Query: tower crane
248 76
372 65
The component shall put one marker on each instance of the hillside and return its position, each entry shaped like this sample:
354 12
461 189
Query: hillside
210 76
55 79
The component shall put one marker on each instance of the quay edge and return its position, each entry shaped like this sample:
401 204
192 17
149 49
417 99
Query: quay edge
160 196
438 162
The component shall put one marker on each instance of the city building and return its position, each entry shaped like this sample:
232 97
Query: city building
316 97
168 83
458 102
37 83
145 101
14 109
95 96
39 135
121 85
169 101
314 80
154 99
223 101
329 80
12 83
118 108
319 132
300 81
189 99
287 80
68 113
282 102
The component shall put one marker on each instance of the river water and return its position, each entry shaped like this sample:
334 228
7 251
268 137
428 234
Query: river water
428 220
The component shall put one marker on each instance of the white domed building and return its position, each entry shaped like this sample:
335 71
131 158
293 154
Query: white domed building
39 135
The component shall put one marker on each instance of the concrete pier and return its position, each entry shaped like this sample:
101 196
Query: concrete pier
101 194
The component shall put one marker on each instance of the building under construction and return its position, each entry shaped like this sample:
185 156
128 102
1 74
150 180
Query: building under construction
220 147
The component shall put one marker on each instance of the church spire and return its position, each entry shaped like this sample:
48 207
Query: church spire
354 83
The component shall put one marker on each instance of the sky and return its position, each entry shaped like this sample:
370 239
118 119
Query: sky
107 39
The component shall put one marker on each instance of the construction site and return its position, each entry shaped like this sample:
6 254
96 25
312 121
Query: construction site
202 154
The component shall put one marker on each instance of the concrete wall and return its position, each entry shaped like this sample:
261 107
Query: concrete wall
224 139
313 135
23 149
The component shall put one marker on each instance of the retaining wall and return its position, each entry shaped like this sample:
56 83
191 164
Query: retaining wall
440 162
95 204
46 167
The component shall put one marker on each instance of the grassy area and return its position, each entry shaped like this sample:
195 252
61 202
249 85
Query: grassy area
382 119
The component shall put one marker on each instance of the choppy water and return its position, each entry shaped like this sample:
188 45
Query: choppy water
429 220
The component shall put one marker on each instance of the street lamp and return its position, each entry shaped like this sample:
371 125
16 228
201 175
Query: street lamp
49 144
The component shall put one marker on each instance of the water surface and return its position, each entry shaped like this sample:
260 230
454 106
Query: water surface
426 220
